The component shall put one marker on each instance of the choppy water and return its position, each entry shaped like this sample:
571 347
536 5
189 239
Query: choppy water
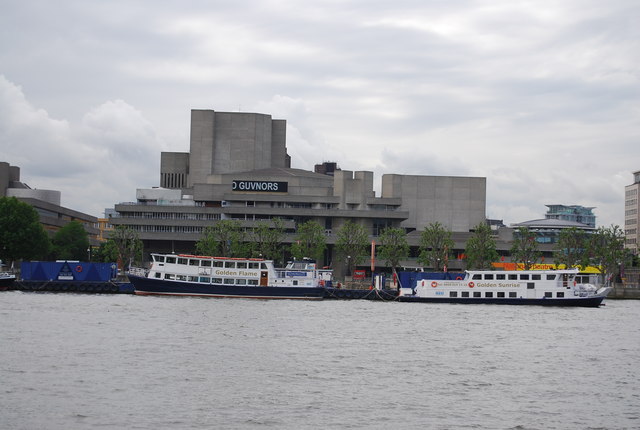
118 361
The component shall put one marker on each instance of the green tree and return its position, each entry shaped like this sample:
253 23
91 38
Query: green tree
480 249
310 241
606 251
435 246
128 245
223 239
71 242
352 244
393 247
571 249
524 249
268 238
106 253
22 237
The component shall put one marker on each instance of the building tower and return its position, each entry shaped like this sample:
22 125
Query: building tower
632 213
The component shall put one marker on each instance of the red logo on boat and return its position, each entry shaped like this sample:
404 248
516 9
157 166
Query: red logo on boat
434 284
471 285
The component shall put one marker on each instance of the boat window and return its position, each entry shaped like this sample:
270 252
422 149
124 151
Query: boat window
254 265
477 276
216 280
500 294
241 282
551 277
168 276
217 264
513 294
536 277
227 281
194 262
477 294
453 294
464 294
501 276
488 276
295 282
252 282
241 265
560 294
531 285
229 264
171 260
158 258
488 294
513 277
548 294
204 279
263 266
157 275
181 277
524 277
206 263
182 261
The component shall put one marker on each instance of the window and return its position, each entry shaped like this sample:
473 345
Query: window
206 263
204 279
241 265
560 294
477 294
524 277
536 277
453 294
531 285
254 265
192 278
500 294
181 277
548 294
217 264
464 294
488 294
513 277
193 262
551 277
182 261
216 280
263 266
513 294
477 276
168 276
252 282
241 282
157 275
160 258
229 264
171 260
488 277
227 281
501 277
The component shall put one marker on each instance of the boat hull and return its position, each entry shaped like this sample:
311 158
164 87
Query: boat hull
588 302
146 286
6 283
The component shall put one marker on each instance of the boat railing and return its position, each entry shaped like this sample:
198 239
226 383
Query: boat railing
138 271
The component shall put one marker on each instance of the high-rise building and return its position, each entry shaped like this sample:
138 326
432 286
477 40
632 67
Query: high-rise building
632 213
573 213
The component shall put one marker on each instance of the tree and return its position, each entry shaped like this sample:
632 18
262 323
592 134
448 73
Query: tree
606 251
481 248
22 237
128 245
524 249
268 239
107 252
309 242
393 246
572 248
435 246
352 244
71 242
223 239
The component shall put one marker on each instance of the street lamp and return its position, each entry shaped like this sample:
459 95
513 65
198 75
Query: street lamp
348 265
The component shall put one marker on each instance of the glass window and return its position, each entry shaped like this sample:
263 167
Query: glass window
216 280
477 294
192 278
263 266
182 261
500 294
229 264
548 294
171 260
254 265
204 279
488 294
168 276
536 277
159 258
241 265
560 294
551 277
453 294
501 276
194 262
228 281
464 294
513 294
181 277
206 263
217 263
513 277
524 277
488 276
157 275
477 276
241 282
253 282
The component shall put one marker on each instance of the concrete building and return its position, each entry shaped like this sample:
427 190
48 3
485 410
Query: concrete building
53 216
238 168
632 213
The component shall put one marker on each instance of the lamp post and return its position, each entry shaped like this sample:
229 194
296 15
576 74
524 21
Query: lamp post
348 265
89 253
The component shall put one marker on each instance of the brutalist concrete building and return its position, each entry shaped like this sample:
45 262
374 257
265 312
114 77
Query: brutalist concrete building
238 168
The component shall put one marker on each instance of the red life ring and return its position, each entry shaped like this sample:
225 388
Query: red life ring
458 278
471 285
434 284
78 268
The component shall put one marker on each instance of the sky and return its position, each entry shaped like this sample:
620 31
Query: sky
542 98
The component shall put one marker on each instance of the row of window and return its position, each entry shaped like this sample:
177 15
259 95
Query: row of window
172 215
212 263
513 276
207 280
499 294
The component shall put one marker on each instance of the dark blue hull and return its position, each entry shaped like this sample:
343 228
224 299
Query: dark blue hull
588 302
146 286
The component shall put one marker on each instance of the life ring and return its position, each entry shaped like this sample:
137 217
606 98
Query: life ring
458 278
471 285
434 284
78 268
322 282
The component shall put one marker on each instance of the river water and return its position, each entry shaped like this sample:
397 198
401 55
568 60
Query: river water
72 361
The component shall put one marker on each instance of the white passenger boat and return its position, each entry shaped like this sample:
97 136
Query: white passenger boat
191 275
530 287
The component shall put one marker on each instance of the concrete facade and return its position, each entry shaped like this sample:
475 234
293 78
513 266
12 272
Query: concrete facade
632 213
